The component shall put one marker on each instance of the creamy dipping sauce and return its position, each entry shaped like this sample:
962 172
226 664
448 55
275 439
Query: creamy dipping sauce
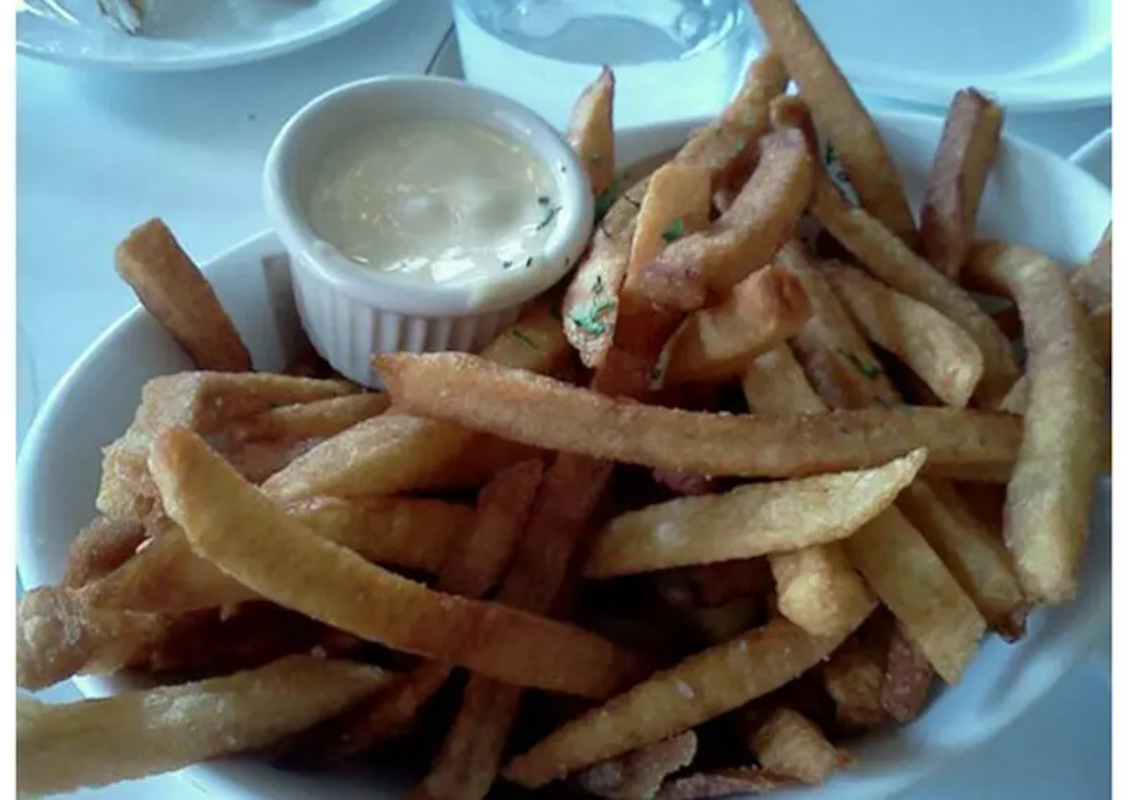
448 202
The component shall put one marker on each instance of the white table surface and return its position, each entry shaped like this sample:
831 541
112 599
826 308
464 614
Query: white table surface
100 152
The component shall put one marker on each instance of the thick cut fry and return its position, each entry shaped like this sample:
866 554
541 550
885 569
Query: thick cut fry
677 203
1092 282
959 173
537 410
239 529
893 262
854 677
934 347
701 687
973 553
100 548
167 576
180 298
207 402
816 587
470 755
838 114
791 746
1049 496
763 311
318 419
748 521
96 742
59 635
638 775
591 131
908 678
396 453
744 238
910 579
470 568
732 782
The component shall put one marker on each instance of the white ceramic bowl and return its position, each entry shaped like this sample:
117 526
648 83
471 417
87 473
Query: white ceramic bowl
351 311
1033 197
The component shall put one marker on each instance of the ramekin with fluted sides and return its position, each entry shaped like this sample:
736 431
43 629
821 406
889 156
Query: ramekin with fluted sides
351 312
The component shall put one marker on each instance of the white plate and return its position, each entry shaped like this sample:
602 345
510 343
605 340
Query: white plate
183 34
1096 157
1033 55
58 473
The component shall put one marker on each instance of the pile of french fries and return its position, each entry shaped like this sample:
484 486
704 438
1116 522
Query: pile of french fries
731 498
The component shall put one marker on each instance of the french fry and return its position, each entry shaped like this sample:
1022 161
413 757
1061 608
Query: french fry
731 782
763 311
975 556
469 758
908 678
395 453
639 774
677 202
1049 495
60 748
315 420
748 521
100 548
1092 282
789 745
207 402
239 529
180 298
166 576
891 260
701 687
591 131
744 238
935 348
838 114
854 678
959 173
532 409
59 635
470 568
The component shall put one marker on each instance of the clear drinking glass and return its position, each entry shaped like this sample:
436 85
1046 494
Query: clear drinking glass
673 59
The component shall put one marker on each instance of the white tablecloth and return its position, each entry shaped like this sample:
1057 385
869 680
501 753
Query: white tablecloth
100 152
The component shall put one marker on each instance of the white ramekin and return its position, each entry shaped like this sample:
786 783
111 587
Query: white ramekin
351 312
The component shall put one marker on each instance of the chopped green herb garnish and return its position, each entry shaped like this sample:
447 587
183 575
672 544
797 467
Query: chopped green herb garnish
869 370
831 154
675 231
506 264
544 199
528 262
597 285
605 200
656 373
524 339
549 216
588 318
595 158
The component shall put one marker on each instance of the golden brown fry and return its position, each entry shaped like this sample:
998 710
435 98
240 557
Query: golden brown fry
972 552
959 172
591 131
537 410
470 567
59 635
934 347
470 756
207 402
791 746
763 311
744 238
751 520
734 781
396 453
166 576
315 420
701 687
180 298
854 678
677 203
235 526
908 678
1092 282
891 260
838 114
639 774
910 579
95 742
1049 496
100 548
